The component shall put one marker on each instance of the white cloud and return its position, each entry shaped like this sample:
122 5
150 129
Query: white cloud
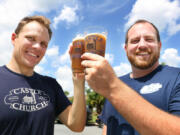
39 69
54 58
43 61
4 58
63 59
53 51
68 14
163 13
123 45
64 77
11 12
47 5
109 57
171 57
122 69
5 47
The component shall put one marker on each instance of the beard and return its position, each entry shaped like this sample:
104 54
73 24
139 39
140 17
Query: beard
144 64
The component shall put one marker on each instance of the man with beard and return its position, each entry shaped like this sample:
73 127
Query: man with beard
145 101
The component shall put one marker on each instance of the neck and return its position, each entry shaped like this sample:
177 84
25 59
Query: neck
137 73
15 67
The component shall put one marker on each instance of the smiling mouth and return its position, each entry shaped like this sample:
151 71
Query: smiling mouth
32 54
142 54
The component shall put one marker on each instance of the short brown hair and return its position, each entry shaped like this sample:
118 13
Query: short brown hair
40 19
143 21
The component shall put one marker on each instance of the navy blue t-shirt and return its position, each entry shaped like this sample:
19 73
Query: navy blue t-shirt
29 105
161 88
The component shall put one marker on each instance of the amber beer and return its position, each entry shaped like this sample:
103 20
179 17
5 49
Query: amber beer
77 51
95 43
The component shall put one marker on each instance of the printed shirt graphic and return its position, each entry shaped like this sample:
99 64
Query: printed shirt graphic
29 105
26 99
150 88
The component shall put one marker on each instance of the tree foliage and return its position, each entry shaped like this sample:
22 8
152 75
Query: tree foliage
94 100
66 93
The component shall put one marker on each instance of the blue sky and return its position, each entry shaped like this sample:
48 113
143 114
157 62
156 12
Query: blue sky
71 17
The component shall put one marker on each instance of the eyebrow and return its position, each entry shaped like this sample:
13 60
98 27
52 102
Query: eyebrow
148 35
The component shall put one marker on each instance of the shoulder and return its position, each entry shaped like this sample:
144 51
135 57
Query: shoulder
125 77
170 75
3 69
169 71
37 75
45 78
48 81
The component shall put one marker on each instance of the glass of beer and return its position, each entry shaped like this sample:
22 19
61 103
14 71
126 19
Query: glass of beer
95 40
77 50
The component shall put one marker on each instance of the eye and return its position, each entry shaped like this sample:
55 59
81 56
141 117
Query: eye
134 41
44 45
30 38
149 40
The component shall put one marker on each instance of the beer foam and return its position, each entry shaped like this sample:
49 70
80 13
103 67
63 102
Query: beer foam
78 37
103 35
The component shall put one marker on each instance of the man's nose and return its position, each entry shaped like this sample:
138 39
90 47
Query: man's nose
36 45
142 43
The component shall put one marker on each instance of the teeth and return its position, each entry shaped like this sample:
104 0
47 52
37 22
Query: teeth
143 53
32 54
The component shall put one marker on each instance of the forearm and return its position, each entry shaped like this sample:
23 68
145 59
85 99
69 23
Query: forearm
142 115
104 130
77 114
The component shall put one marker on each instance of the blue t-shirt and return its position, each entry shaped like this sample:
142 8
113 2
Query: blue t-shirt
29 105
161 88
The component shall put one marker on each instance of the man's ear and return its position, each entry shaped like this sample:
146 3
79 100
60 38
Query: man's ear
160 45
125 47
13 37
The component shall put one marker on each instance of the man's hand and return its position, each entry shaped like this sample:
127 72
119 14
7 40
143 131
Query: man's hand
98 73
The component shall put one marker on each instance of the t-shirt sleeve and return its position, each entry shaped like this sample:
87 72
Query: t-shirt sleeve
174 102
62 102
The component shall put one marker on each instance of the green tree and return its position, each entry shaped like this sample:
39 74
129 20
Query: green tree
163 63
94 100
66 93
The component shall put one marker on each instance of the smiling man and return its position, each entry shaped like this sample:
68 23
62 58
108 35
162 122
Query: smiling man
30 45
145 101
30 102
